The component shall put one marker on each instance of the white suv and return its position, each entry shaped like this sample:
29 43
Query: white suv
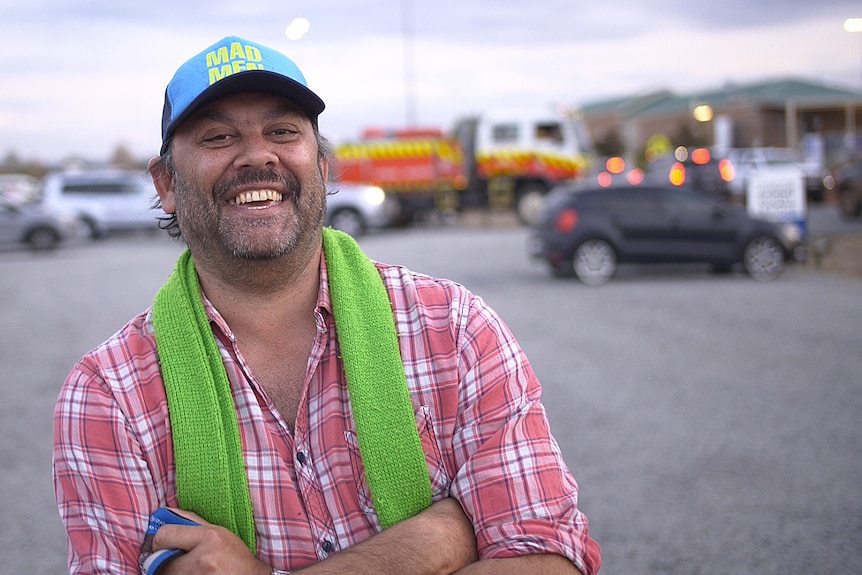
106 201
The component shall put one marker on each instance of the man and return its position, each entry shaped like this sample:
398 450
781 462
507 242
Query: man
242 173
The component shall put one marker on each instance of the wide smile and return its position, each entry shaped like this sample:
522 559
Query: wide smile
262 199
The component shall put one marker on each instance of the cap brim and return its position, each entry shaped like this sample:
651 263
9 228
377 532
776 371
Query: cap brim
262 81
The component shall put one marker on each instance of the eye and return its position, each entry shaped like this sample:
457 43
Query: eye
284 133
215 138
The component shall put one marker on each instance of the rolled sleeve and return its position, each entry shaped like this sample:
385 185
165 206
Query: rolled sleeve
512 480
103 475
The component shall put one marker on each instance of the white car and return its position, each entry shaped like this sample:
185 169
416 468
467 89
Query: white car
105 201
749 162
358 208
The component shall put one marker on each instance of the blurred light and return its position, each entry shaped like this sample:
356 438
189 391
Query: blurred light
727 171
792 232
677 174
702 113
700 156
375 195
657 145
853 25
635 177
605 179
615 165
651 155
297 29
566 221
681 153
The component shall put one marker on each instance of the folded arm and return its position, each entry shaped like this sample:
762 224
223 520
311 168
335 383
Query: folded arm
438 540
544 564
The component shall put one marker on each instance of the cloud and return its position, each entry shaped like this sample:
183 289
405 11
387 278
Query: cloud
82 76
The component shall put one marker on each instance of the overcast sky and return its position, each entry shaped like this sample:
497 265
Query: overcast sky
81 77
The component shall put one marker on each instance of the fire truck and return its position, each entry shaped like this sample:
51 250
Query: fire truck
485 163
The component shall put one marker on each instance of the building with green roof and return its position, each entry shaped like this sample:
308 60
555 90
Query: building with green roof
821 122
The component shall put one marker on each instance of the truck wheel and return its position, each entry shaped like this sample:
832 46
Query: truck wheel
529 204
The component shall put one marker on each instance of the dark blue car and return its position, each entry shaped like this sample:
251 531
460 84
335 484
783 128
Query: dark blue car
588 231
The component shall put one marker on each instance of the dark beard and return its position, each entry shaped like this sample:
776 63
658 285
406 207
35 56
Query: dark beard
292 191
205 231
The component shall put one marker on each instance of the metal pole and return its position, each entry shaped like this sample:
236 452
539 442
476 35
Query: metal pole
407 38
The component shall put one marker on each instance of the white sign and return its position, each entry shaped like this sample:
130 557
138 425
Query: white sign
777 195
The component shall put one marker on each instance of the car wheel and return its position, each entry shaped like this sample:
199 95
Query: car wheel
530 203
93 230
595 262
43 239
348 221
764 258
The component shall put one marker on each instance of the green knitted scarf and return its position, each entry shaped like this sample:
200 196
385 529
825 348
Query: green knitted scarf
211 476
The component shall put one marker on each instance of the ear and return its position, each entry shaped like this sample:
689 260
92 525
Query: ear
164 183
324 169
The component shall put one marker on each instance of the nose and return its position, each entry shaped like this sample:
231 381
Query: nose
256 152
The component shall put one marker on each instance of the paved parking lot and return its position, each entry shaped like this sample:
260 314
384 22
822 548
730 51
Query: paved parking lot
712 422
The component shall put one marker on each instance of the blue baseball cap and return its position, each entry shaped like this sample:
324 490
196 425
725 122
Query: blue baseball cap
229 66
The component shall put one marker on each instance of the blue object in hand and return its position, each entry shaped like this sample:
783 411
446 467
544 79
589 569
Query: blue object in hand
151 561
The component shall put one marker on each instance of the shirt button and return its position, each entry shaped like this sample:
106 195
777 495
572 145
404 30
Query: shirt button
300 457
327 546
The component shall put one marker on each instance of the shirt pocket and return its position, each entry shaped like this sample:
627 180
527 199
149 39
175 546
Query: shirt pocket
437 473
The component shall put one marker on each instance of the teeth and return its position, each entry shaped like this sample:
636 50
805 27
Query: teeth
256 196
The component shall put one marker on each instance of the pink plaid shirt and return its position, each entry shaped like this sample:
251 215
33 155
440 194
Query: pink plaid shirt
483 430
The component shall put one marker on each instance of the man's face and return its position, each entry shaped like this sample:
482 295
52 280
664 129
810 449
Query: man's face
248 183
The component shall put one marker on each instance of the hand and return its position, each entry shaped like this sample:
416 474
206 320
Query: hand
439 539
210 550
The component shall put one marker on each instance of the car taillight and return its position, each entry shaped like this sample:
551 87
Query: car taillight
566 221
700 156
726 169
677 174
615 165
605 179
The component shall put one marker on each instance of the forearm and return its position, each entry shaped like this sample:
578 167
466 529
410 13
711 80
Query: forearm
546 564
439 540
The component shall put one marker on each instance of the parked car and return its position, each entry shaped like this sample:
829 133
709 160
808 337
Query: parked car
751 161
105 201
588 231
848 184
358 208
35 226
